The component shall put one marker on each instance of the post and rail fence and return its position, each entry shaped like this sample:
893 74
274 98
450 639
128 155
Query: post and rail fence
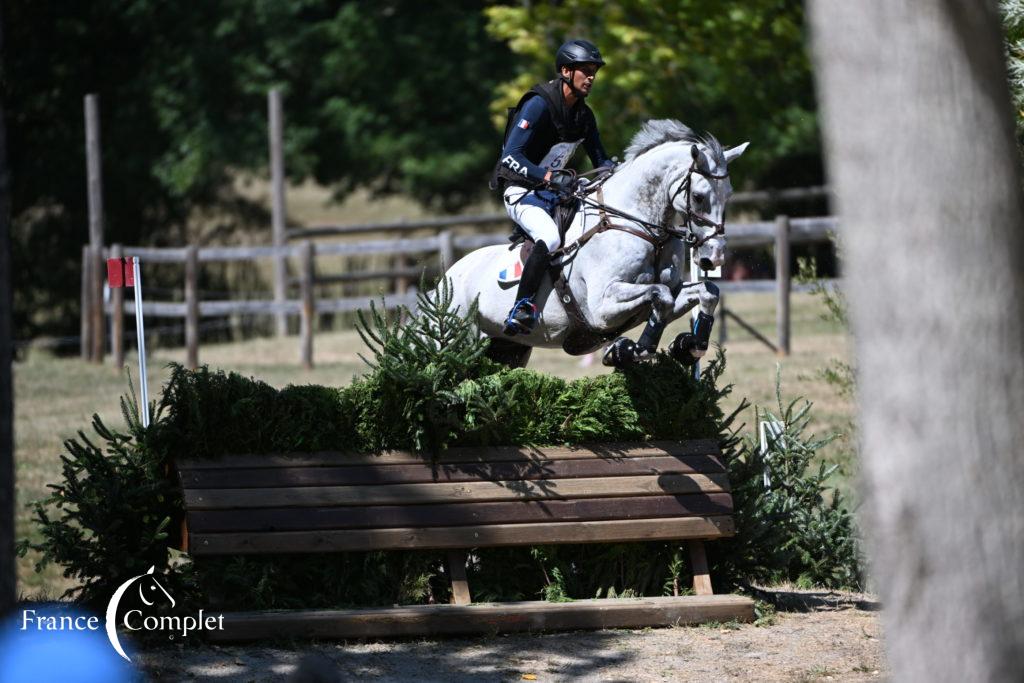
434 252
389 239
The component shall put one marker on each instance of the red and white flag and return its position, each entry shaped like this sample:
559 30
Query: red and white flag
120 272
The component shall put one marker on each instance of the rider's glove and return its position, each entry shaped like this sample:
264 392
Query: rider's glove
561 182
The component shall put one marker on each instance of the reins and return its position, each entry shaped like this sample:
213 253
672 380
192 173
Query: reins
657 234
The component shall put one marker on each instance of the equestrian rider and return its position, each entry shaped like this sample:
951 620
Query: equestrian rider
542 133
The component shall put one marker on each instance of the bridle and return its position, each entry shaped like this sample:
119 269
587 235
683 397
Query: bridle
690 218
657 234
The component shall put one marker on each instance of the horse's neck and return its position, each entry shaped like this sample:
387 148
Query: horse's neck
639 188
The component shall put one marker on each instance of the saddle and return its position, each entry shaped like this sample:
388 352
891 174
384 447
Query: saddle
563 214
582 338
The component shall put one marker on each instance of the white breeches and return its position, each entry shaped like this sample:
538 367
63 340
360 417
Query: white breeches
525 208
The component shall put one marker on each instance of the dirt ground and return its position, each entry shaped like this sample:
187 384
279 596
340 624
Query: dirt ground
815 636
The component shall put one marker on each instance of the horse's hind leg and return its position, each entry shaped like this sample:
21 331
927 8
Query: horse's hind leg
508 353
624 351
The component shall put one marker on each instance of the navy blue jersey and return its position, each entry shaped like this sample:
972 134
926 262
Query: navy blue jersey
533 134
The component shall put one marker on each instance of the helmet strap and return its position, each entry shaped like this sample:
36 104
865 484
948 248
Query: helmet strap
571 82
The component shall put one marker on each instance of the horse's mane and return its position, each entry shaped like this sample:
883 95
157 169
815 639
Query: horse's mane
659 131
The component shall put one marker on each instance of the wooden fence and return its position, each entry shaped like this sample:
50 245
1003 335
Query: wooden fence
443 247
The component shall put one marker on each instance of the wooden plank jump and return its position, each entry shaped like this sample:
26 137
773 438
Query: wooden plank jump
467 498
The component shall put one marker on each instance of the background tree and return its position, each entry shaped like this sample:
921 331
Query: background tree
392 96
7 572
395 96
920 135
735 67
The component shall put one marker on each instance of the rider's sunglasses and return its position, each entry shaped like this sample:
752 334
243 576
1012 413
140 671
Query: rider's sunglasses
589 70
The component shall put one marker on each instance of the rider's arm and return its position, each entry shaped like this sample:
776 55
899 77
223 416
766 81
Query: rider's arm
512 156
595 150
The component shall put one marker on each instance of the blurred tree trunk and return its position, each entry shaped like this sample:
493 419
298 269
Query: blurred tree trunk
7 573
918 129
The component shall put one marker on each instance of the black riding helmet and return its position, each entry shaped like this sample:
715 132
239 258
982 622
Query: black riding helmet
572 53
577 52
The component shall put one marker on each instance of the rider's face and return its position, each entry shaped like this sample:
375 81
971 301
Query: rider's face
583 76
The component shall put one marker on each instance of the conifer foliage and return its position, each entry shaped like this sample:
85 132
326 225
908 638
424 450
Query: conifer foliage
429 387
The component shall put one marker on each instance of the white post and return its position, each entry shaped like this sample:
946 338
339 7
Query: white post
140 332
772 431
694 277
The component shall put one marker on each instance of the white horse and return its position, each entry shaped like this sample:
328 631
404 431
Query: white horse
624 263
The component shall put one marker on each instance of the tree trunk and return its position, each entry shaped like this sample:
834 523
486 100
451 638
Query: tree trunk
7 573
917 121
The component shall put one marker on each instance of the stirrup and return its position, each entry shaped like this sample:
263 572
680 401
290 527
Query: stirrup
521 318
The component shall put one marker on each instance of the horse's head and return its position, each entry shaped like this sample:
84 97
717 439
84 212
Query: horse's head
700 194
150 590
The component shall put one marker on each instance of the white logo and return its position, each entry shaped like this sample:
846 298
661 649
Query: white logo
150 592
514 165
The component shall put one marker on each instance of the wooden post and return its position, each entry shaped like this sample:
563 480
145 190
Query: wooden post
402 282
723 332
278 211
446 250
460 585
117 316
699 563
402 261
192 307
782 283
308 306
85 328
95 197
97 314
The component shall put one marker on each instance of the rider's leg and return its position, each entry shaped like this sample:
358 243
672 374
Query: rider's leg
529 212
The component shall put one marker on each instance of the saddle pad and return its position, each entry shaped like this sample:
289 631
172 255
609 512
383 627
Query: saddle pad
510 264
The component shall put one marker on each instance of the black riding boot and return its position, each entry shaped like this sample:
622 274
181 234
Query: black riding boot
523 315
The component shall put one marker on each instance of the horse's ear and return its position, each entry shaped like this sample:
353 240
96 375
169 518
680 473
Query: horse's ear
694 152
735 152
702 163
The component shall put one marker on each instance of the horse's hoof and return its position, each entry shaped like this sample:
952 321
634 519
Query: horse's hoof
684 349
643 355
620 353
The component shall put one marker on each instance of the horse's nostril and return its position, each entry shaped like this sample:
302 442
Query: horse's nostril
706 264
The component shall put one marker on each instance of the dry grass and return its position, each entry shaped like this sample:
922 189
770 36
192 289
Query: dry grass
56 397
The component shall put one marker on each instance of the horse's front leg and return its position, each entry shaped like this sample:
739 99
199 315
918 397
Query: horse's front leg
688 347
624 300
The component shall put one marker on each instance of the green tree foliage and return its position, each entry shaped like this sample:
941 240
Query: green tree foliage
395 96
110 517
1013 25
793 525
392 96
116 510
737 68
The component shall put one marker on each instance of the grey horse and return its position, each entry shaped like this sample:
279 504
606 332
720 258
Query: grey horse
624 261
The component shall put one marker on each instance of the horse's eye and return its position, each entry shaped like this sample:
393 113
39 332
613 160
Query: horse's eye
699 198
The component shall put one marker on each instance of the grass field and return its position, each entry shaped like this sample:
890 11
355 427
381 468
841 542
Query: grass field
56 397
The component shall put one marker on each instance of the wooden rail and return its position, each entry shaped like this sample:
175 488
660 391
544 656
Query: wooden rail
758 197
780 234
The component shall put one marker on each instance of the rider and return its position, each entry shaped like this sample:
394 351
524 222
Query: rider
542 133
